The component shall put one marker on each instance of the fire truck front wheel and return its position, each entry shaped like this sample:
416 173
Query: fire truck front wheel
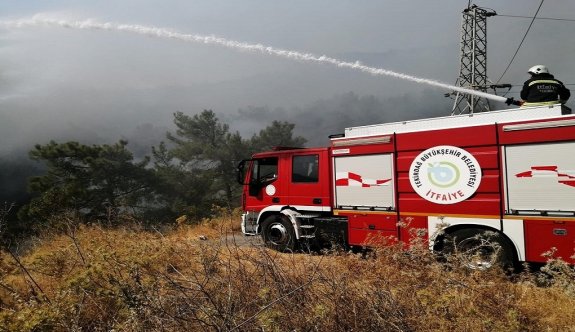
278 233
479 249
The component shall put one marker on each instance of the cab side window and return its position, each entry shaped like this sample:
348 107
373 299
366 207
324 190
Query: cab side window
305 168
265 170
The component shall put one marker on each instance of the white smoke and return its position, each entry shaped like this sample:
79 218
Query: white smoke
169 34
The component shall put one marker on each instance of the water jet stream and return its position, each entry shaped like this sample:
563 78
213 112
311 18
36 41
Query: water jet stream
169 34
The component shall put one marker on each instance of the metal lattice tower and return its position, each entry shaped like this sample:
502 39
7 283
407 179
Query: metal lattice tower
473 61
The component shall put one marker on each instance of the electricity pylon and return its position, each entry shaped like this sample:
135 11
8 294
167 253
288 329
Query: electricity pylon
473 61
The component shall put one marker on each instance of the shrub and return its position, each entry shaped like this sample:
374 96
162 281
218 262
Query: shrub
200 278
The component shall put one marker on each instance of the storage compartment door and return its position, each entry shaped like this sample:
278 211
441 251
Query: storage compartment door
364 182
540 177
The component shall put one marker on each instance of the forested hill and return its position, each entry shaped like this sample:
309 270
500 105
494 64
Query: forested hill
189 174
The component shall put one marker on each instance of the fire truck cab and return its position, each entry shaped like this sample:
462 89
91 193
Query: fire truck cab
506 174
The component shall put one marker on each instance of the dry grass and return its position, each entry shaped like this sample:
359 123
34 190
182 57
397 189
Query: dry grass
195 279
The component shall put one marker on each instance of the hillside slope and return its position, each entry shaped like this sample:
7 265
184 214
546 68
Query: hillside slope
196 278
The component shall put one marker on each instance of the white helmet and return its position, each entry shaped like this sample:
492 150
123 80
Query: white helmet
538 69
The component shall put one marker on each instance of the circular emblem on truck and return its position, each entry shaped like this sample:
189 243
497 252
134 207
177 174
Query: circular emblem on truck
445 174
270 190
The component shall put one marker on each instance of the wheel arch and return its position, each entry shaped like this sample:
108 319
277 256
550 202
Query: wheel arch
439 240
275 210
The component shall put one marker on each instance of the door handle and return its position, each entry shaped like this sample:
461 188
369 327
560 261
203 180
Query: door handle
559 231
317 201
275 200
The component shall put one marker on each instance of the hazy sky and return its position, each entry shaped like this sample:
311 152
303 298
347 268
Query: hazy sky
101 85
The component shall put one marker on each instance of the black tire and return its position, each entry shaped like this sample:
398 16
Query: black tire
479 249
278 233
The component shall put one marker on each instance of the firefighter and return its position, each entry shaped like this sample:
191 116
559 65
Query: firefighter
543 89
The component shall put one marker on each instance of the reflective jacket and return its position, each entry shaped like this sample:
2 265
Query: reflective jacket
544 89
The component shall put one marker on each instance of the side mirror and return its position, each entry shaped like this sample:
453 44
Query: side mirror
241 172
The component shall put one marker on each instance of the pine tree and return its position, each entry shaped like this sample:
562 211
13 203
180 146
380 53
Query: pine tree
97 181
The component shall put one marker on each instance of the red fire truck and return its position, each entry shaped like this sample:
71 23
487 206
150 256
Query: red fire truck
508 174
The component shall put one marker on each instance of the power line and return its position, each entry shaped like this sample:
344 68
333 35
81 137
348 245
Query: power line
522 40
539 18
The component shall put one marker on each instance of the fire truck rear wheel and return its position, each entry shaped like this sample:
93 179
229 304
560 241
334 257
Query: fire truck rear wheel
278 233
479 249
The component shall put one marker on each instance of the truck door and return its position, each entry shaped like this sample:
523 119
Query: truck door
308 187
267 184
260 189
